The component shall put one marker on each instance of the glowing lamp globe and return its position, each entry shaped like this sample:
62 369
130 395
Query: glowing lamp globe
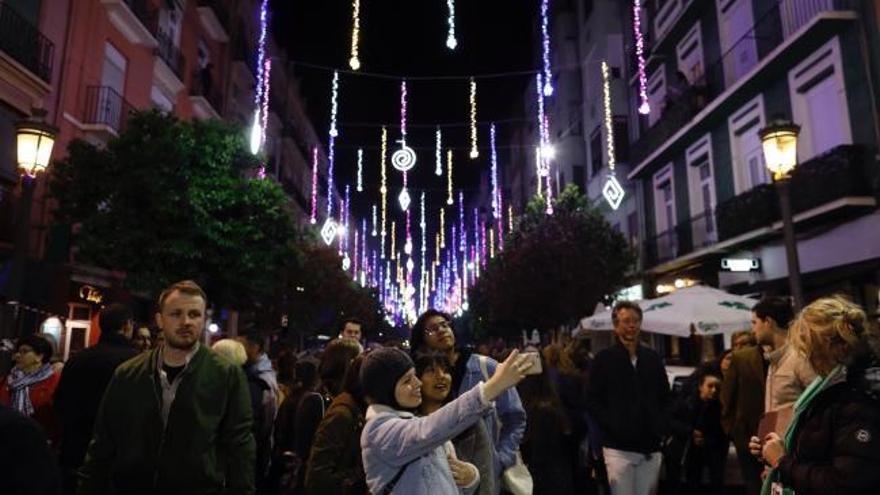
34 142
779 141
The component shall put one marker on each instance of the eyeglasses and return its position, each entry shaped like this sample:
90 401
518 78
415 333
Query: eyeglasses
436 328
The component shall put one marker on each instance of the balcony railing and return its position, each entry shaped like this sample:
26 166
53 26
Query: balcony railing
104 106
145 12
686 99
169 53
204 85
22 41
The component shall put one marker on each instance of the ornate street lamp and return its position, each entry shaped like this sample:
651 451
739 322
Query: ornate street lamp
779 141
34 140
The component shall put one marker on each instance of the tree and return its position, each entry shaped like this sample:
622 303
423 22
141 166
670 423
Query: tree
553 269
168 200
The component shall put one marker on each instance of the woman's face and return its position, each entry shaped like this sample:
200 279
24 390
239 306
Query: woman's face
408 391
725 361
25 358
436 383
825 353
709 387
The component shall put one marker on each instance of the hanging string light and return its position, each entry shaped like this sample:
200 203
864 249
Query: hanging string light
331 158
645 107
442 228
438 154
612 189
354 62
334 104
404 158
451 42
497 208
549 197
393 240
374 232
257 129
383 190
545 150
545 35
510 218
473 100
461 230
491 242
449 200
314 216
360 170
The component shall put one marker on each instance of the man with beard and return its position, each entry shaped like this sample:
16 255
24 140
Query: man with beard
176 419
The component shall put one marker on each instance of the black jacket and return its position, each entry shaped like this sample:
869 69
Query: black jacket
83 381
27 466
629 403
836 447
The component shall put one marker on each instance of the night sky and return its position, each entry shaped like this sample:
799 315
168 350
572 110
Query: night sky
408 38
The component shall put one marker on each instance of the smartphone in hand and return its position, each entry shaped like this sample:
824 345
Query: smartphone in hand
535 367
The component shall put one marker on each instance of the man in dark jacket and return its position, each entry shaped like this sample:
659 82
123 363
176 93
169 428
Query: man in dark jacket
176 419
82 384
629 398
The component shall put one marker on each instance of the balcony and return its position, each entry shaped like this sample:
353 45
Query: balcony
832 186
778 39
206 99
25 43
169 64
106 112
135 19
215 19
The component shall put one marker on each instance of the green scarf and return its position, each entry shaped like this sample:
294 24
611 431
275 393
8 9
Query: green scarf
803 402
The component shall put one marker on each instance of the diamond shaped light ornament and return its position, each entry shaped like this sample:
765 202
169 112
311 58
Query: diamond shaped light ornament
404 200
613 192
328 231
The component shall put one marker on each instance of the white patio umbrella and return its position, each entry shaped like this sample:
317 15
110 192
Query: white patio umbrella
711 311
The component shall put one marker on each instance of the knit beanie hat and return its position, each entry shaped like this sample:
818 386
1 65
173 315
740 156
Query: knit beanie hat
380 371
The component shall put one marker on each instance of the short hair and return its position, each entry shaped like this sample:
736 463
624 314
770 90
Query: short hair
255 338
778 308
417 336
188 287
426 360
232 350
39 345
625 305
335 360
113 318
346 321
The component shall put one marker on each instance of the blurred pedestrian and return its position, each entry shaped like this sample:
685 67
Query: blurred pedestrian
82 385
27 464
548 444
351 329
29 387
405 454
335 464
433 331
142 338
286 462
629 398
259 364
174 420
473 445
743 339
833 445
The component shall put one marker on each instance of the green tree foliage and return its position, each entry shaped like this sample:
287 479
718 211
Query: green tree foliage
168 200
554 268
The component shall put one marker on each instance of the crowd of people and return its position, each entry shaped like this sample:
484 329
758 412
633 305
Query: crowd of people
798 397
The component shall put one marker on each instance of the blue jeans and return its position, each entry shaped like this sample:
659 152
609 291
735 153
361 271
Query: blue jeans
632 473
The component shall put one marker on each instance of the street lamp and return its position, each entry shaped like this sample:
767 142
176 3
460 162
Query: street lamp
779 141
34 140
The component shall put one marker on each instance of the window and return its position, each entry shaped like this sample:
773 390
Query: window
632 228
621 138
818 101
690 55
702 191
656 94
735 21
747 155
596 154
664 199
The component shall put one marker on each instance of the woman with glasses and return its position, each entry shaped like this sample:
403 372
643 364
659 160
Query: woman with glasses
30 385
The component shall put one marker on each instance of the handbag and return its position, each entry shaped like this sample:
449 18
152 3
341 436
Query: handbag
516 479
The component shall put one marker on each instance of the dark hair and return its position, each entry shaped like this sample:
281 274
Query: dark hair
417 336
255 338
39 345
425 360
351 383
346 321
625 305
778 308
336 357
113 318
187 287
306 374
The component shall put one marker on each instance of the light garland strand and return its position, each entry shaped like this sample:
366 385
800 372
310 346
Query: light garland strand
360 170
449 199
354 62
438 154
543 132
645 107
494 173
334 104
332 142
475 153
545 35
510 218
374 232
383 190
393 240
442 228
462 231
612 190
451 42
314 216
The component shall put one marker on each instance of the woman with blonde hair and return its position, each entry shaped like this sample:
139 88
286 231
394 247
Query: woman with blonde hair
833 443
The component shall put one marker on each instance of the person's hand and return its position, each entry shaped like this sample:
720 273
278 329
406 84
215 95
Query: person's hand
462 472
699 440
507 374
773 449
755 446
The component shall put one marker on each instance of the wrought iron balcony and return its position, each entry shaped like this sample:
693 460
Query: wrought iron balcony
169 53
107 108
204 86
22 41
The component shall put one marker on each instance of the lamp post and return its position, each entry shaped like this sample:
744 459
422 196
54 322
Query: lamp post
779 142
34 140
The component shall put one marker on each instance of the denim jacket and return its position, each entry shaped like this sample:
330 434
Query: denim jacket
510 412
392 439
